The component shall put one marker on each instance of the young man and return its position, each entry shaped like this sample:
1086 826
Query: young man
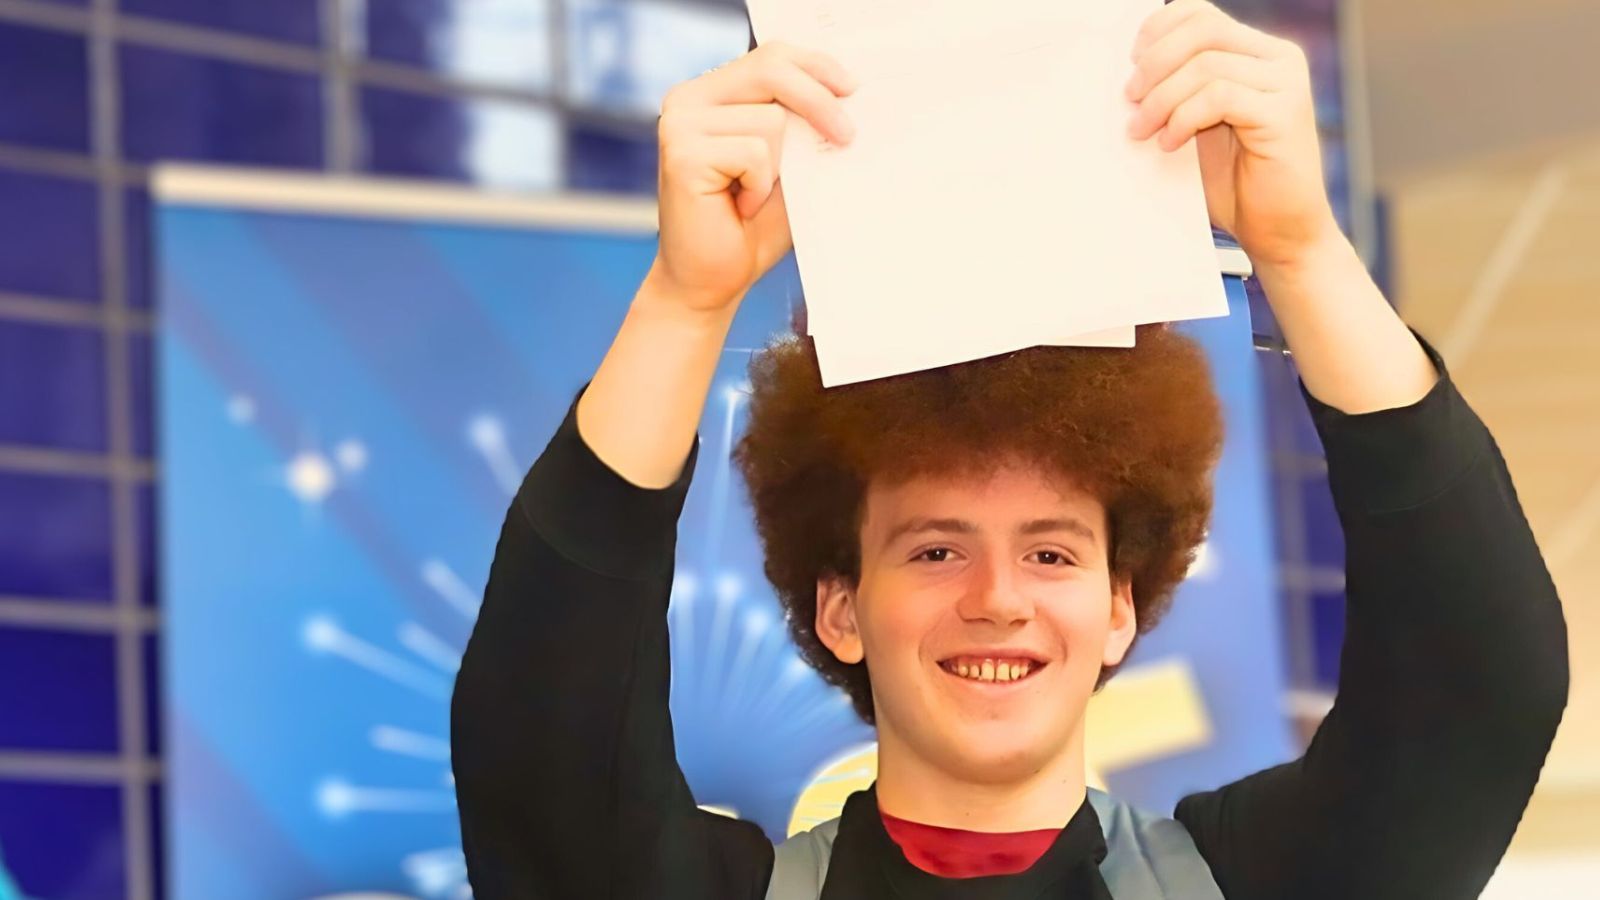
981 548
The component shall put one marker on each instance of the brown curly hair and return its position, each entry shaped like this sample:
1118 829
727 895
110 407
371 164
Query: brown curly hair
1139 429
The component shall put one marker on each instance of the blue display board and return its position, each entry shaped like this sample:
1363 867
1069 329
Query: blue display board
348 401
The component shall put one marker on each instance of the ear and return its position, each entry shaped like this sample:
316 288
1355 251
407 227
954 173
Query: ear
1124 622
836 619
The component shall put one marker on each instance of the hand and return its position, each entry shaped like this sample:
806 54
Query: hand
723 220
1247 97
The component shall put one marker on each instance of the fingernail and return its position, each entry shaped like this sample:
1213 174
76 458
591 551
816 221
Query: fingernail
1131 89
846 128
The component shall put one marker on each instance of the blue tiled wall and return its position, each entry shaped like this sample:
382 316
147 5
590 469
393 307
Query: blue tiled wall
52 386
439 89
52 111
43 675
55 537
52 236
294 21
64 840
186 106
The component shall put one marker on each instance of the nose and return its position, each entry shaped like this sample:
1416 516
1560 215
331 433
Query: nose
994 594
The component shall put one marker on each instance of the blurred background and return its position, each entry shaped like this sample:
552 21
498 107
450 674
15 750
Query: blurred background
1462 153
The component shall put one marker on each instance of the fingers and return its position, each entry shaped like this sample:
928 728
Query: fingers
1195 67
1179 32
819 65
738 118
1163 21
1216 103
724 130
709 164
764 121
807 82
1158 105
751 165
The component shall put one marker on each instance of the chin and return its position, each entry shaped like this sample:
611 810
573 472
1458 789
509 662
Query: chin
1000 751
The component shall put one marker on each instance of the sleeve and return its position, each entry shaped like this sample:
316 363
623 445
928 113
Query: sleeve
562 749
1453 677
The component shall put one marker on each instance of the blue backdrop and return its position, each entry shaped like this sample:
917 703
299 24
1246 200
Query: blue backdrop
347 404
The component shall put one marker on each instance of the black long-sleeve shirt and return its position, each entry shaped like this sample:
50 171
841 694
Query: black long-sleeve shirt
1453 679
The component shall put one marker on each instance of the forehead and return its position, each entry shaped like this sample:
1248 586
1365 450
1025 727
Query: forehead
1008 492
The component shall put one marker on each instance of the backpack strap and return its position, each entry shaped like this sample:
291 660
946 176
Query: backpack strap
800 864
1150 857
1147 858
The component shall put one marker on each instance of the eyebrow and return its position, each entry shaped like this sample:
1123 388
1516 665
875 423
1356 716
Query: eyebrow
962 526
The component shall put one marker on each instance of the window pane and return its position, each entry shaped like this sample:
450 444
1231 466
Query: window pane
52 386
55 536
145 511
497 42
605 162
52 240
152 695
137 228
625 55
63 840
492 143
59 690
286 20
141 394
1327 636
178 106
46 77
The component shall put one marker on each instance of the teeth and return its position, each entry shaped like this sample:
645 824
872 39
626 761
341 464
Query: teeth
991 670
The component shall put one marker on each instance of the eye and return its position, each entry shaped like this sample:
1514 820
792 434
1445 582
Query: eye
1052 558
934 554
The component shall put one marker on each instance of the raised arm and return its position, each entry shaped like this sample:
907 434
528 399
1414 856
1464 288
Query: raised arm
566 775
1452 681
1453 676
1454 671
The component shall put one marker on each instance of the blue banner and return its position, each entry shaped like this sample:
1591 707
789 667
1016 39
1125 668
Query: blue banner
347 404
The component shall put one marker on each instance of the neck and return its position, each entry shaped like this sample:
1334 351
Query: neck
913 788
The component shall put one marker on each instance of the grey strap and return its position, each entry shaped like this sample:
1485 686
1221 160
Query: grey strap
1147 858
800 864
1150 857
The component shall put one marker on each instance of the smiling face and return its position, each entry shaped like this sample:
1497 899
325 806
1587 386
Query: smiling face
965 581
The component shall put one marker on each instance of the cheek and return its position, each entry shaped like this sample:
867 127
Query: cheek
898 623
1082 618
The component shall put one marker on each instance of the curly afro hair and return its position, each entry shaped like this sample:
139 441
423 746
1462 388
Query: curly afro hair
1140 429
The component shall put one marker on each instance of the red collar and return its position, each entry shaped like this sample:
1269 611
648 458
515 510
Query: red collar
954 853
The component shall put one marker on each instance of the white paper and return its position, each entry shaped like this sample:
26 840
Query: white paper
846 361
991 199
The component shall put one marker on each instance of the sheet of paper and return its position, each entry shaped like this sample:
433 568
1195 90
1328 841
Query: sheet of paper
846 361
992 194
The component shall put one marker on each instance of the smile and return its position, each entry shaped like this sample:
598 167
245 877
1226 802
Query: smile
992 669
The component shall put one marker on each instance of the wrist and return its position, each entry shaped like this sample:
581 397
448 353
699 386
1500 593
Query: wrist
661 312
1316 261
663 297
